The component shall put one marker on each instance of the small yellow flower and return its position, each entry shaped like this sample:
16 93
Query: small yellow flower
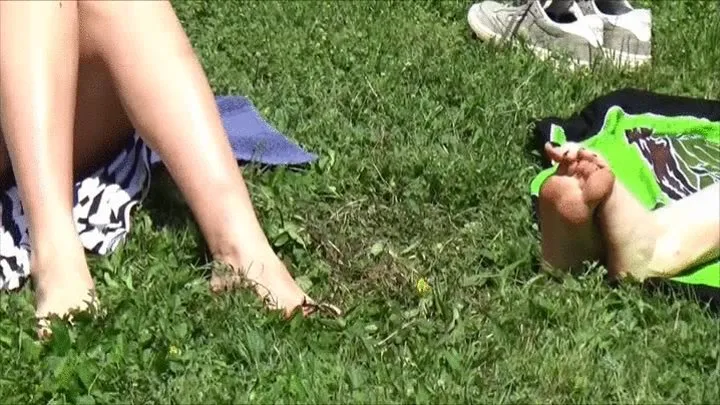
422 286
174 351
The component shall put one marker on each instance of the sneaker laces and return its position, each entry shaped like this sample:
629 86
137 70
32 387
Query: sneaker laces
521 13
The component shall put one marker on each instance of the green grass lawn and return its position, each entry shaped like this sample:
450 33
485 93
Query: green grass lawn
424 175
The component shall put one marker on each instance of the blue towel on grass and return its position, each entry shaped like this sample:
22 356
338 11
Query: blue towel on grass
252 138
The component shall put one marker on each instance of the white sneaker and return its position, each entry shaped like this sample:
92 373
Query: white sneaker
627 31
572 34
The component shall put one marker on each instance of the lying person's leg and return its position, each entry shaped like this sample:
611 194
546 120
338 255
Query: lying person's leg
664 242
38 75
637 241
168 98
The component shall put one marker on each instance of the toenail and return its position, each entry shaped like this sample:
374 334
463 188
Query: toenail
555 144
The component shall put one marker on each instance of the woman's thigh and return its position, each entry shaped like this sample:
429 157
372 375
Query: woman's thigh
101 126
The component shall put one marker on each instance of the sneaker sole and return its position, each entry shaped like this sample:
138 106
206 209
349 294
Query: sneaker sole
624 59
486 34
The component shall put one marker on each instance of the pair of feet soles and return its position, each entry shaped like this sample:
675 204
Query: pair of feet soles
583 181
591 216
569 201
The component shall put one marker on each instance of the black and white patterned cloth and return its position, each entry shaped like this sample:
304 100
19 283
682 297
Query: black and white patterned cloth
102 207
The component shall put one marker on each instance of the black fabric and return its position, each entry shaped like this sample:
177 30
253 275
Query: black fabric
633 101
589 122
702 294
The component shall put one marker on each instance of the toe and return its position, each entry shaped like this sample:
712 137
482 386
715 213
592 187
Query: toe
572 168
586 168
601 162
588 155
566 152
309 307
598 186
553 152
43 330
217 285
571 150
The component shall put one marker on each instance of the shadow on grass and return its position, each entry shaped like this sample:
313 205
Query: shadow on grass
705 296
169 210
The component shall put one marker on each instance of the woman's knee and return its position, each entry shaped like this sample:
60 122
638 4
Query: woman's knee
110 29
107 15
102 23
106 11
97 19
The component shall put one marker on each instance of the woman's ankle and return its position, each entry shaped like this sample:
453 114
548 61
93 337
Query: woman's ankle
54 257
233 248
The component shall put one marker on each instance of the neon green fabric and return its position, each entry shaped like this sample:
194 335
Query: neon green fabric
658 159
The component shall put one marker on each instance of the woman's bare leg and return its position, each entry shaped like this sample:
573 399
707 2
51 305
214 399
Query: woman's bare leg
167 96
102 128
38 77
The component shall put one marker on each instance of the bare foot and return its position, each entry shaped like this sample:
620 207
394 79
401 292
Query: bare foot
585 178
585 212
592 214
272 282
567 202
61 281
